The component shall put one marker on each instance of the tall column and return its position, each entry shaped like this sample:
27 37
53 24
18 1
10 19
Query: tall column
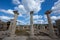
51 30
14 23
31 24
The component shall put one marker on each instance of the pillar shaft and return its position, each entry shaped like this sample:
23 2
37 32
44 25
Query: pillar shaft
14 25
51 29
50 25
31 24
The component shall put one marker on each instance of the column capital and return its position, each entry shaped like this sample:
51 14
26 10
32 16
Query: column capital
16 12
31 12
48 12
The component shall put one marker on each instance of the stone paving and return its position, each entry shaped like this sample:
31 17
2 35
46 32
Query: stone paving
23 37
26 38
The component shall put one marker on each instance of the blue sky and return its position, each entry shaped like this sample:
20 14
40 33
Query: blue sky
25 6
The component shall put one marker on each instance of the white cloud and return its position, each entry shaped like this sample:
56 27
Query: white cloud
20 22
44 20
56 7
32 5
20 9
55 17
27 6
16 2
39 21
37 17
5 18
20 15
7 11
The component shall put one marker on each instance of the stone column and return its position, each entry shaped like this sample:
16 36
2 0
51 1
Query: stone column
31 24
51 29
14 23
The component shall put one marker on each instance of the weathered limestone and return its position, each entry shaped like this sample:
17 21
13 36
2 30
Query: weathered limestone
51 30
31 23
10 27
14 23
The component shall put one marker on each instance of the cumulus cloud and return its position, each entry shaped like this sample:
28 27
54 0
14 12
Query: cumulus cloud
56 7
7 11
24 8
20 9
37 16
5 18
27 6
55 17
44 19
20 22
32 5
37 19
16 2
